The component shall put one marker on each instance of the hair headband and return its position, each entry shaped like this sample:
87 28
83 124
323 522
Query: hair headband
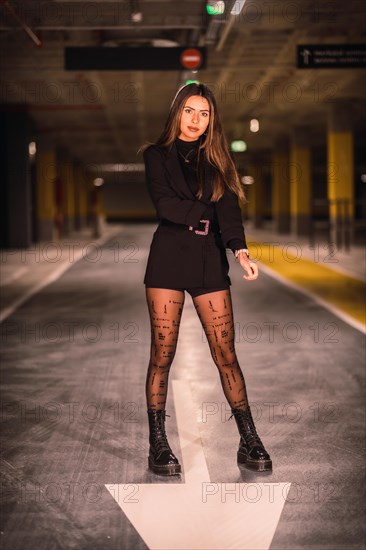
180 89
175 97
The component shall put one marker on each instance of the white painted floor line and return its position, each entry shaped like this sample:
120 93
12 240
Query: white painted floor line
194 462
14 276
33 290
333 309
199 514
58 271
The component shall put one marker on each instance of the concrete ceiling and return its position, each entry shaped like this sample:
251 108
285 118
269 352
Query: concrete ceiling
105 116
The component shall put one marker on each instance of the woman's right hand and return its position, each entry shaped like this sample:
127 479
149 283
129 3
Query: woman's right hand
250 267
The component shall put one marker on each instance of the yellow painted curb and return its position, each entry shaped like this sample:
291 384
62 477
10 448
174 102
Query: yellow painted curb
342 291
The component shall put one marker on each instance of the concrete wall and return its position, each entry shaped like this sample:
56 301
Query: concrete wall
127 197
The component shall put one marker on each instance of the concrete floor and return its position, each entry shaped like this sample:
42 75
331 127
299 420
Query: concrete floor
74 358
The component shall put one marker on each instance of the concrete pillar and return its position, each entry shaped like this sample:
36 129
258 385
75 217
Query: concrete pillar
255 192
280 187
46 169
80 197
96 209
340 161
16 211
300 182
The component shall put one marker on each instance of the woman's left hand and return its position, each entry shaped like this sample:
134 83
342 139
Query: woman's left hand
250 267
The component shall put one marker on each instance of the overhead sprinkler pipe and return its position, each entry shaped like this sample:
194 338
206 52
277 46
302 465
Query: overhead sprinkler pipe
27 29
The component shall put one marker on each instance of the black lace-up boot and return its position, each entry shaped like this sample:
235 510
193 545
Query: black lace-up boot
161 457
251 449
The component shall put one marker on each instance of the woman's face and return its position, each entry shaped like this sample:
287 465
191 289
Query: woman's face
195 118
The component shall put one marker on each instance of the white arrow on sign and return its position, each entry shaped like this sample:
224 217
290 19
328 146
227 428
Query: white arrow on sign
306 54
198 513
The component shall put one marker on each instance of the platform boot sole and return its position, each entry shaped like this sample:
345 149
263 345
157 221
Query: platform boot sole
164 470
256 465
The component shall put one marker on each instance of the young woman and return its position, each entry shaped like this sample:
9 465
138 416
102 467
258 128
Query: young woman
195 188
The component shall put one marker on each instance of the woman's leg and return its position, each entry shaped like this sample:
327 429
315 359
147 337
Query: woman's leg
165 310
216 315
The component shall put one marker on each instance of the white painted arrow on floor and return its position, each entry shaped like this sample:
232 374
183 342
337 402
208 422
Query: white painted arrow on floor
198 513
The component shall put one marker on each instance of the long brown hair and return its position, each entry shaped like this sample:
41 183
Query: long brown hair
213 147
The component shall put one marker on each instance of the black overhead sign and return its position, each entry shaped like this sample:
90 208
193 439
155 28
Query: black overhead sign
134 59
331 56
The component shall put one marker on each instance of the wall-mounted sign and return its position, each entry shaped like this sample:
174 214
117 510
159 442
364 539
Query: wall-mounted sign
134 59
331 56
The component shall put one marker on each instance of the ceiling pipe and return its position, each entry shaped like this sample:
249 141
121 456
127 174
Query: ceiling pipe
97 27
225 32
236 9
27 29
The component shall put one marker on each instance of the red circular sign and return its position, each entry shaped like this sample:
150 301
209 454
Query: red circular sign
191 58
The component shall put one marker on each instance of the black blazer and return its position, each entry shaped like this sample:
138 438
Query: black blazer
181 258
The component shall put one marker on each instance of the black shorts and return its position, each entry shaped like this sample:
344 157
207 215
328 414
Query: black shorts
197 291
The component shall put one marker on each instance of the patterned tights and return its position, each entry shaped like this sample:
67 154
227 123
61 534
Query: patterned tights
215 313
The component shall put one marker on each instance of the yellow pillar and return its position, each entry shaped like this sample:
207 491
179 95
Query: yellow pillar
341 167
300 182
100 203
340 161
255 193
340 175
66 173
46 173
84 197
280 187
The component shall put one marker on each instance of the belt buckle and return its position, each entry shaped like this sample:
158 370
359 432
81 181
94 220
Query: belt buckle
205 231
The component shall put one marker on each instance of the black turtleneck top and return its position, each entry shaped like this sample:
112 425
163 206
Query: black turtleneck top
188 154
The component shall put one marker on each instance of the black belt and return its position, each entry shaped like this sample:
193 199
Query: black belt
204 227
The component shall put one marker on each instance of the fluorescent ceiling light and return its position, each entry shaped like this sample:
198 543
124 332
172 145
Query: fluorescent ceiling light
131 167
254 125
237 7
98 182
32 148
